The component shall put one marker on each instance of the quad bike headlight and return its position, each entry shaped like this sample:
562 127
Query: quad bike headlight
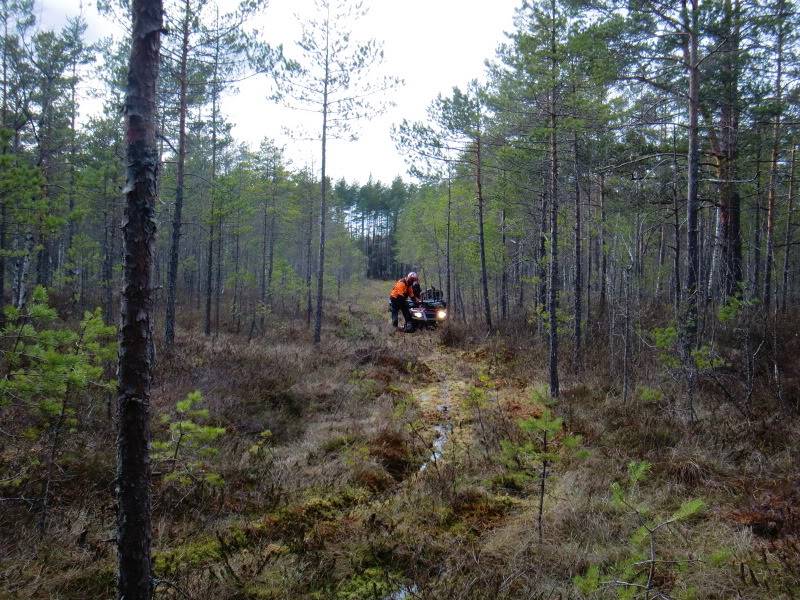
417 313
441 314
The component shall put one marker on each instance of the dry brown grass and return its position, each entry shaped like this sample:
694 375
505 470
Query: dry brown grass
339 508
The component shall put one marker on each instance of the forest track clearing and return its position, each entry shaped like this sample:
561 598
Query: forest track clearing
376 466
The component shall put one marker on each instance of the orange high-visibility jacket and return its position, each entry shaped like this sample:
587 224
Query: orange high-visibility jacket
402 289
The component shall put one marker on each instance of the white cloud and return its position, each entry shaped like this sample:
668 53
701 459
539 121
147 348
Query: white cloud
431 44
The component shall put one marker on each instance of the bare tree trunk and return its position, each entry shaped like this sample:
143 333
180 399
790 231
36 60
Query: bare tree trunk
214 117
323 205
756 282
773 171
504 268
541 268
236 309
309 234
712 276
3 226
693 169
602 243
214 226
218 283
521 273
552 296
787 243
730 201
136 337
676 224
109 246
174 252
578 300
626 350
272 234
73 271
210 269
264 246
487 308
449 207
661 253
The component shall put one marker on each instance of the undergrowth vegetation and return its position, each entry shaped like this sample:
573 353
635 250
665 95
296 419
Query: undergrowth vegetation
396 466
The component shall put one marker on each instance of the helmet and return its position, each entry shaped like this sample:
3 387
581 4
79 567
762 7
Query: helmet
412 276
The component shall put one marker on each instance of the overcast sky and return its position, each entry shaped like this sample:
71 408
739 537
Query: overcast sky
431 44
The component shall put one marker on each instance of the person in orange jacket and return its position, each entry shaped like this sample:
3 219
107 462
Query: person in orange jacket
402 290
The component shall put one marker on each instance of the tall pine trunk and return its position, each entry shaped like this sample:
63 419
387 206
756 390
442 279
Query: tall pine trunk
602 243
693 168
552 292
487 308
578 300
447 252
323 205
309 261
773 171
730 201
756 276
174 252
215 228
135 581
787 243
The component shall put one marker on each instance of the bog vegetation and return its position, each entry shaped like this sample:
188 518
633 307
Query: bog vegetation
610 410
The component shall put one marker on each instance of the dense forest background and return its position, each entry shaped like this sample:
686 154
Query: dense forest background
610 211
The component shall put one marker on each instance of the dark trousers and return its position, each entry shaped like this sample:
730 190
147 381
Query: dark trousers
400 305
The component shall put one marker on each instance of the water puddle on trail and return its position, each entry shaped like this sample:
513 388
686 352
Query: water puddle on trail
404 593
439 397
443 430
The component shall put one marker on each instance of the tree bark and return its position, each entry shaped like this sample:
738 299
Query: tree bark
693 164
788 242
541 267
449 208
773 171
323 205
135 338
264 246
503 268
487 308
214 225
730 201
578 299
272 234
309 234
174 252
552 296
756 279
602 243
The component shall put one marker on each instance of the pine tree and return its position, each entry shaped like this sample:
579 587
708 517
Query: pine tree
136 335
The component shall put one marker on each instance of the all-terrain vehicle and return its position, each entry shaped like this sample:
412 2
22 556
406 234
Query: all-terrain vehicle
431 311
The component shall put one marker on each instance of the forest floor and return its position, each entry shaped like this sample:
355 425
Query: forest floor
384 465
